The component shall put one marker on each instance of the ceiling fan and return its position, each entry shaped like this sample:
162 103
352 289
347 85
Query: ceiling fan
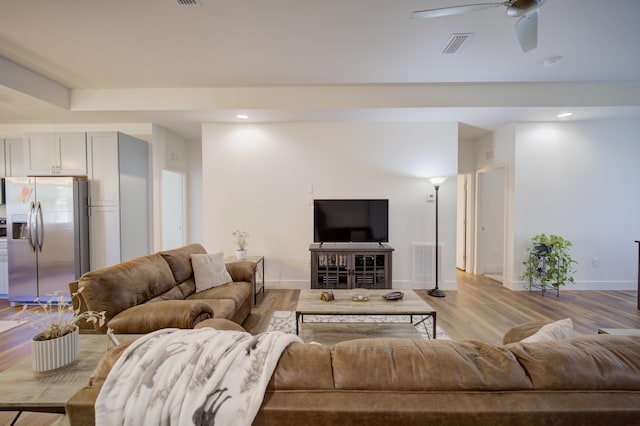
526 10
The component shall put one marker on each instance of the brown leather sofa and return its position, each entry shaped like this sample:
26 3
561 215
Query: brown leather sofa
585 380
158 291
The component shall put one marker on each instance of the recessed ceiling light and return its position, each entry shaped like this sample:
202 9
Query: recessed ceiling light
552 60
242 116
564 114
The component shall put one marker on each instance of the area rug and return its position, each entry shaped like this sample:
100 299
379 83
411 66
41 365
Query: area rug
8 325
286 321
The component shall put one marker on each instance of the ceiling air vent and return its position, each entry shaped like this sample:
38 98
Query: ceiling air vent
455 43
189 2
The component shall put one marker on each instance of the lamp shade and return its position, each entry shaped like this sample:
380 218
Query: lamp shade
436 181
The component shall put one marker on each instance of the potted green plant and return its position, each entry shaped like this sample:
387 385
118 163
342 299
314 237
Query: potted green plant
56 344
240 238
549 263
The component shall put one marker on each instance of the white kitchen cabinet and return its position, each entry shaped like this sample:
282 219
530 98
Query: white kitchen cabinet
3 171
48 154
11 157
104 236
119 197
103 169
14 157
4 269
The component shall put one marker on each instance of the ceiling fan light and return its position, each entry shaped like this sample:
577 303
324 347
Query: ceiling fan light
522 7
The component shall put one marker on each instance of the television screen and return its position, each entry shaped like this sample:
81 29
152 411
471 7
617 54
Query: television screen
341 221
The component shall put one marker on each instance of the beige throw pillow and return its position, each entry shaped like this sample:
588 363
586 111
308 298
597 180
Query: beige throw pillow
557 330
209 270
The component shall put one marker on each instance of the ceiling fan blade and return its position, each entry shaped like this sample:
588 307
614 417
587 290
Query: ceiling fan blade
527 31
454 10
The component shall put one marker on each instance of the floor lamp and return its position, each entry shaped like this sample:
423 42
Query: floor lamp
437 181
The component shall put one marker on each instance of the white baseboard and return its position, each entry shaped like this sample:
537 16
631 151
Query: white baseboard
586 285
400 285
453 285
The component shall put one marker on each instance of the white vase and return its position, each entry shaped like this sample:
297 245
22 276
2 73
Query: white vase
241 254
52 354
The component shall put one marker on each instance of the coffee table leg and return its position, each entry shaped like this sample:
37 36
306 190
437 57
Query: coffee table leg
15 419
423 318
433 315
298 314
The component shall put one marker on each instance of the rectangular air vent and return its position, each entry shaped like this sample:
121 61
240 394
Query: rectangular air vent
189 2
455 43
424 263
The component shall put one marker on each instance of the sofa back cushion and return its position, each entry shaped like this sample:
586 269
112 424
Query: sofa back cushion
425 365
593 362
303 366
119 287
179 260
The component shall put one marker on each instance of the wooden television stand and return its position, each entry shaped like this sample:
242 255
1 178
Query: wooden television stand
351 265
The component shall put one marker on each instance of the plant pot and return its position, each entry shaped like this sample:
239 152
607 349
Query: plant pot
241 254
57 353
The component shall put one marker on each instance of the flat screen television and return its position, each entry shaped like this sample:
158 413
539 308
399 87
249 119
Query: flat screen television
345 221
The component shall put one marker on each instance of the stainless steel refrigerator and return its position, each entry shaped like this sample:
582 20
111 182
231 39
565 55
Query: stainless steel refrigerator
47 235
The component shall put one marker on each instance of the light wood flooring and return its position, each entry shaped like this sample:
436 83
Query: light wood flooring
480 310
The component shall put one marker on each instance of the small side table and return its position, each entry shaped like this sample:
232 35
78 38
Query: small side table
258 276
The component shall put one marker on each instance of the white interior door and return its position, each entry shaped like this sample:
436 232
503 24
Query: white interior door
490 222
461 224
172 209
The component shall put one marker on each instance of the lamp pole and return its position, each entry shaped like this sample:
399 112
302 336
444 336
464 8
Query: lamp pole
436 292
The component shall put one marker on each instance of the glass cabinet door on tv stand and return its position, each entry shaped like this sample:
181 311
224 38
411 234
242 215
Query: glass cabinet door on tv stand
347 266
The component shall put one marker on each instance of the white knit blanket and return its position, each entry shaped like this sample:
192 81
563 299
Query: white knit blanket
191 377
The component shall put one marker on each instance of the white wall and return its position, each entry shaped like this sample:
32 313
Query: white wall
581 180
194 192
255 177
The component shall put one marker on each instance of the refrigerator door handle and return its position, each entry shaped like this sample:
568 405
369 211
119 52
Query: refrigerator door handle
30 227
39 226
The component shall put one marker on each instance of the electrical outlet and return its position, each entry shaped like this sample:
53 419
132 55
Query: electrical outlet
596 262
431 198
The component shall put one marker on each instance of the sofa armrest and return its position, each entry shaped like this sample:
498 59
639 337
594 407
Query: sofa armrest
242 270
80 407
148 317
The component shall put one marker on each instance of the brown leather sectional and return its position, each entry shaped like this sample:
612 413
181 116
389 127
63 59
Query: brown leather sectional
585 380
158 291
